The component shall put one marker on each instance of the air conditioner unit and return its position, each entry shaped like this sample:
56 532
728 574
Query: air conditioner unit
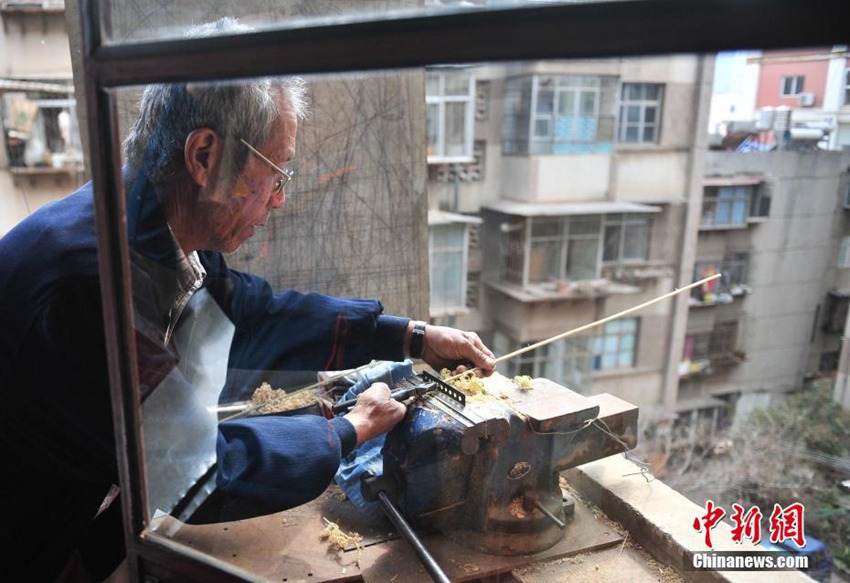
806 99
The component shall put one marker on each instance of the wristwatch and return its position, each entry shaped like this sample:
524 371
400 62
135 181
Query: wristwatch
417 340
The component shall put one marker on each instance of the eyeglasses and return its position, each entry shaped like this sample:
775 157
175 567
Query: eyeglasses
285 175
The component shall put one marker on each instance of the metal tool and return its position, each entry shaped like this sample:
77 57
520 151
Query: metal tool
379 489
417 386
485 473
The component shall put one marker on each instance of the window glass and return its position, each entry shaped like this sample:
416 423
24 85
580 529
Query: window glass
615 345
450 97
448 268
639 112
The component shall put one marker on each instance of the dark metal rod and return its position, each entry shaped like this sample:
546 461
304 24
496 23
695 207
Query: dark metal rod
549 515
436 572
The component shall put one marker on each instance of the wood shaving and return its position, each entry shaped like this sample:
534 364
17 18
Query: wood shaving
468 382
339 539
524 382
269 400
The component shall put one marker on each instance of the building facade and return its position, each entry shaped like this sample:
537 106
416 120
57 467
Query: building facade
783 99
40 152
570 183
562 193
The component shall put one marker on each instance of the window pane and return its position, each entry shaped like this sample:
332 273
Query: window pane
566 103
456 84
588 226
581 260
456 129
588 103
545 101
652 91
433 129
541 127
636 243
612 243
432 83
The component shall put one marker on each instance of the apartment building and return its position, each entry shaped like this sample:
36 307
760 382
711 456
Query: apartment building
770 99
559 195
777 226
40 152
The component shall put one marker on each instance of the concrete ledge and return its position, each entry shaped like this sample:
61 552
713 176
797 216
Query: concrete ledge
661 520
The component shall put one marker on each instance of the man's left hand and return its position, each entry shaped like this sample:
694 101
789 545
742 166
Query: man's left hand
445 347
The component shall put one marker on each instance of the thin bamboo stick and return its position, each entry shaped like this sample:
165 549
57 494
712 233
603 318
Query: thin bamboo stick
592 324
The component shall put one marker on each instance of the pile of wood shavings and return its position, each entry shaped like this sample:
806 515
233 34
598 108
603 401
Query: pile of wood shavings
269 400
524 382
468 382
339 539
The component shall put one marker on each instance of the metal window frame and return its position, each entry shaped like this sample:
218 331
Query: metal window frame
596 30
435 252
602 335
643 104
441 100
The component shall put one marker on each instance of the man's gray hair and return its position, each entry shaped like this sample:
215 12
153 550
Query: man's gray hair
168 113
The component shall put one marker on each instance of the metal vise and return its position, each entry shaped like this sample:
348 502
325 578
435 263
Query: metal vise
485 473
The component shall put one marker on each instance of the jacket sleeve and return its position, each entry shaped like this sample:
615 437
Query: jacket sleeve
281 461
291 330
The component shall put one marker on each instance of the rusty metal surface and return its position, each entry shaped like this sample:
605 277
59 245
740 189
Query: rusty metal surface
286 546
549 407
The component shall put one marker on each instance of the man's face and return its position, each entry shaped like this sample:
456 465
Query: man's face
244 203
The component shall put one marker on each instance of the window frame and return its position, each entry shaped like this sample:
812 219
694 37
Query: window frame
434 254
624 221
568 361
738 194
614 331
791 85
46 94
441 101
565 89
561 245
572 30
642 104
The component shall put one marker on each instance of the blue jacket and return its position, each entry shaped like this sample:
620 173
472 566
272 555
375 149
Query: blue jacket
58 454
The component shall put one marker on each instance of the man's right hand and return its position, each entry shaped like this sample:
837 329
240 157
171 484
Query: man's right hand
375 412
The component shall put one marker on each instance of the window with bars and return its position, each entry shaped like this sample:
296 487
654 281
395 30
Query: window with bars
564 248
626 238
450 101
558 114
640 113
719 346
733 281
726 206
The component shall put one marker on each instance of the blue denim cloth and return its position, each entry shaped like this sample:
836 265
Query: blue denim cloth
367 458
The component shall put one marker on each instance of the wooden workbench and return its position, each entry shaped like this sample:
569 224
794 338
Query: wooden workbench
287 546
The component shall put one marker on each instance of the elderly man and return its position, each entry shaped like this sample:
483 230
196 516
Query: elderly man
206 165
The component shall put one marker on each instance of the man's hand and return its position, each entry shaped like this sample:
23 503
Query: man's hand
456 350
375 412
